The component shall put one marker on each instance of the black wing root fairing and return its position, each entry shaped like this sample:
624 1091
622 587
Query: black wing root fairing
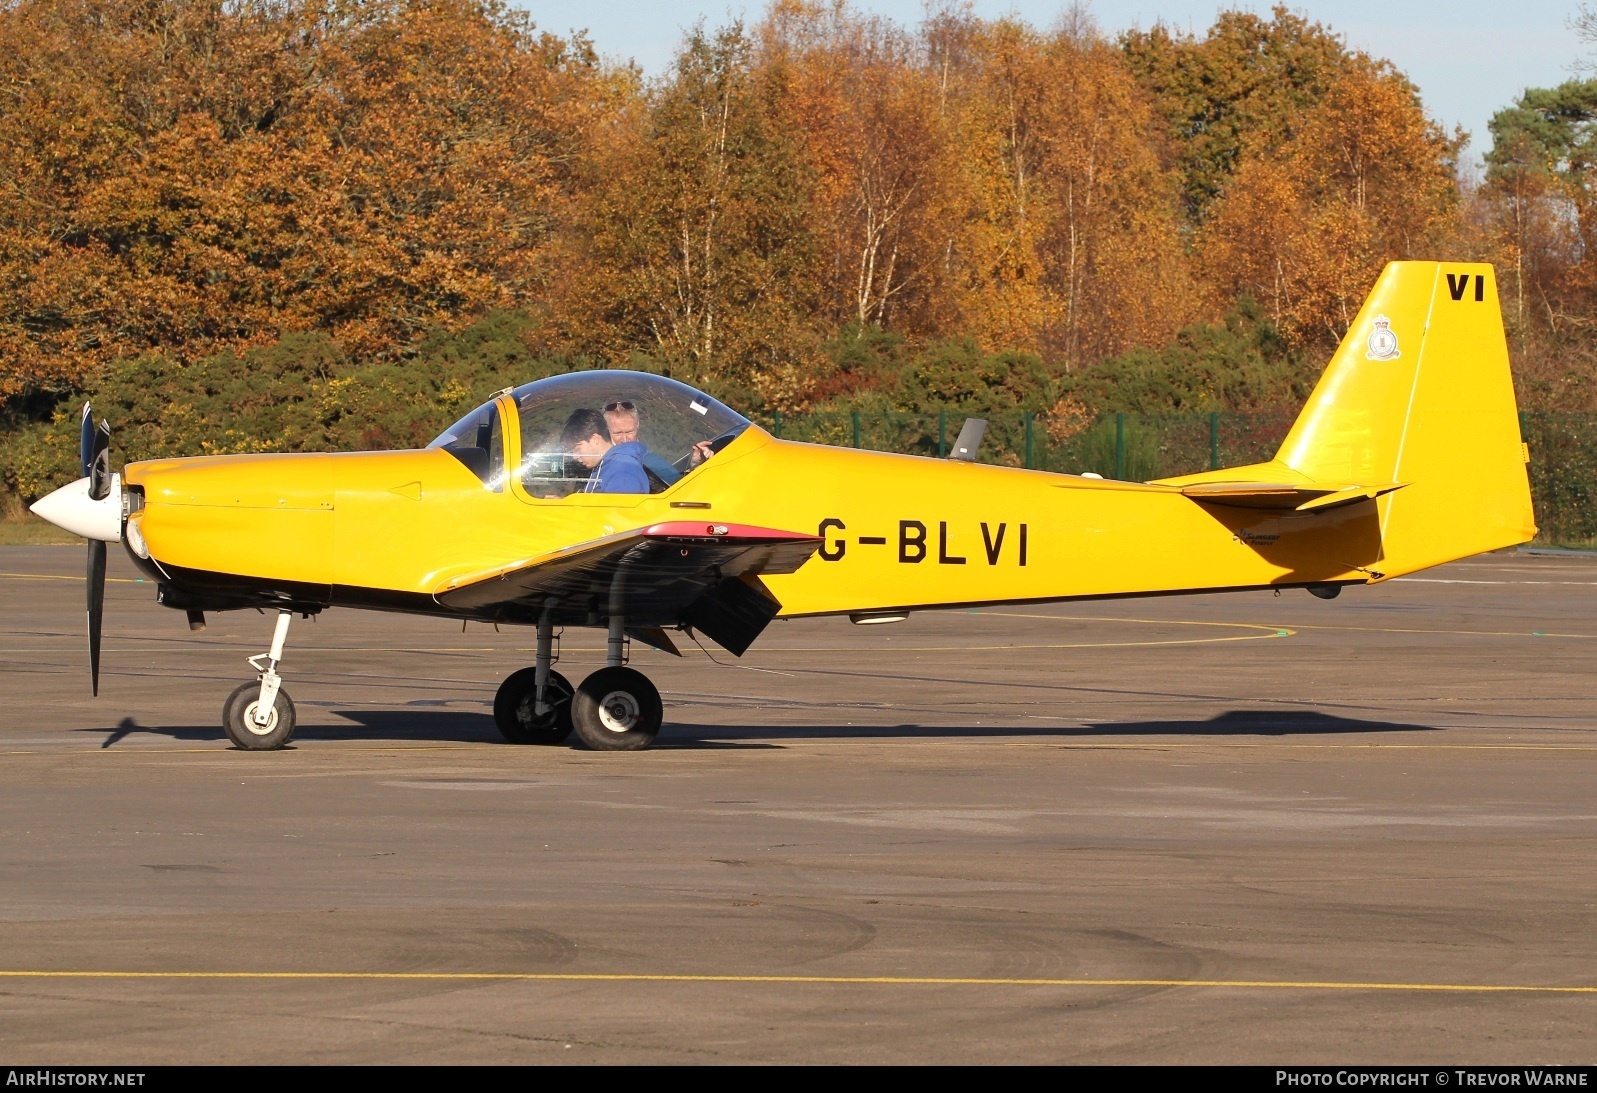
704 576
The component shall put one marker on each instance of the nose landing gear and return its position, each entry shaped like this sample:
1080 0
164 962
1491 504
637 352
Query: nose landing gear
259 716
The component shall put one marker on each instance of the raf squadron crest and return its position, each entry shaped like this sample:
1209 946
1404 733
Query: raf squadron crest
1382 344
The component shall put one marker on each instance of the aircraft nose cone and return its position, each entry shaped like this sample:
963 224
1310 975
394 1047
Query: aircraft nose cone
72 509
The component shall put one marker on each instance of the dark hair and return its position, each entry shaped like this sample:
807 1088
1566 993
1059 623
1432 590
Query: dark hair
581 425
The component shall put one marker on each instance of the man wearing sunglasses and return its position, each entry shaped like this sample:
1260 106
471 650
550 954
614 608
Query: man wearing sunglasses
622 418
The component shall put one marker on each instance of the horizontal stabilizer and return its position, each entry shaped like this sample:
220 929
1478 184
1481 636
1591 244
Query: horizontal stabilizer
1283 496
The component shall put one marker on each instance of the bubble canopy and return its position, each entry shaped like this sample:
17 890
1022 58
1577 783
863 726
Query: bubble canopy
666 426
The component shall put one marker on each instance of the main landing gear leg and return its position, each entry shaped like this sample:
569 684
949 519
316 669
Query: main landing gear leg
259 716
617 708
533 706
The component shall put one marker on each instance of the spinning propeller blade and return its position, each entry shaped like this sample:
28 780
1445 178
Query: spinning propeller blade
86 441
96 576
95 452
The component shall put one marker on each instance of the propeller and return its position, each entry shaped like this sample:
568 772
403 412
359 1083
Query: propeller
95 449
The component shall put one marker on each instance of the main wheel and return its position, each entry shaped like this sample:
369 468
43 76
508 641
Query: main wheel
238 718
516 700
617 709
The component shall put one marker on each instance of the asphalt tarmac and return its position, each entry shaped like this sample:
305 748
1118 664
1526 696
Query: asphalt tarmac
1246 828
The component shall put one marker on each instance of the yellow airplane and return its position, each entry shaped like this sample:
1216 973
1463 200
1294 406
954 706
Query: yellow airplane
636 504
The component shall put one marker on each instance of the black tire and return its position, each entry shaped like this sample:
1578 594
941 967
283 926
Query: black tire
514 703
617 709
238 718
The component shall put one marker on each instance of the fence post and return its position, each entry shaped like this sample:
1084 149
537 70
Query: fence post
1214 441
855 416
1120 447
942 434
1028 440
777 425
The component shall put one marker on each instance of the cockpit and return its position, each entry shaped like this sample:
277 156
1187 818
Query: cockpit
594 432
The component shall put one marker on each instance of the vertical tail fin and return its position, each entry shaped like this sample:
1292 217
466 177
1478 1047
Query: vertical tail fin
1419 393
1418 405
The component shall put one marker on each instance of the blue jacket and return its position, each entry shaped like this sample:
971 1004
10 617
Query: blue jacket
621 470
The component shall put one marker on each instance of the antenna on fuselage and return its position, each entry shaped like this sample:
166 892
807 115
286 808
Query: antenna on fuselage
969 439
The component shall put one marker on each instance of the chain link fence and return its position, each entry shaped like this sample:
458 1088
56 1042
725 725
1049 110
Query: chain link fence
1139 447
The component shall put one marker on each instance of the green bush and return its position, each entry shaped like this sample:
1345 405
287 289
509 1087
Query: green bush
1563 475
298 394
1240 364
1118 446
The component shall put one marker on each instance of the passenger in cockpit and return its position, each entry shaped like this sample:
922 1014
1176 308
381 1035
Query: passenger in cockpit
613 468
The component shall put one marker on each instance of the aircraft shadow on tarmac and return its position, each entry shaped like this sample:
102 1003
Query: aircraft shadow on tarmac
1232 723
463 726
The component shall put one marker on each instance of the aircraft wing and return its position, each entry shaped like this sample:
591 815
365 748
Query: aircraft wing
1283 496
698 574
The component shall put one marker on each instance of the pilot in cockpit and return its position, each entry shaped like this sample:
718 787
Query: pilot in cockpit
622 418
613 468
621 415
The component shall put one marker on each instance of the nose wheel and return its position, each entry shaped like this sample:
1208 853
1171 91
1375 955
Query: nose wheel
244 726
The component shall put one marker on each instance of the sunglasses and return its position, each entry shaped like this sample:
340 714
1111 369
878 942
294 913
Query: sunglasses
612 407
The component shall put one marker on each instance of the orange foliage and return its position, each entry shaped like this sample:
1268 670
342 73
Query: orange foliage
867 112
692 240
190 174
1070 245
1306 225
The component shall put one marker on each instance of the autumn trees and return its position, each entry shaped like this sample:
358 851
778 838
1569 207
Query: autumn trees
828 169
186 175
691 242
189 178
1305 166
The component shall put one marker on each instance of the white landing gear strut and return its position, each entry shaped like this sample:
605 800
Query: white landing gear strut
259 716
271 682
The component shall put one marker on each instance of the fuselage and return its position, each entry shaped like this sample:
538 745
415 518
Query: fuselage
392 529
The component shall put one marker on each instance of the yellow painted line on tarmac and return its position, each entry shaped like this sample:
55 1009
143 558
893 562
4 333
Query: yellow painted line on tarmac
1294 626
1154 744
1318 747
55 577
1455 580
1275 632
1470 633
827 980
222 749
1113 618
